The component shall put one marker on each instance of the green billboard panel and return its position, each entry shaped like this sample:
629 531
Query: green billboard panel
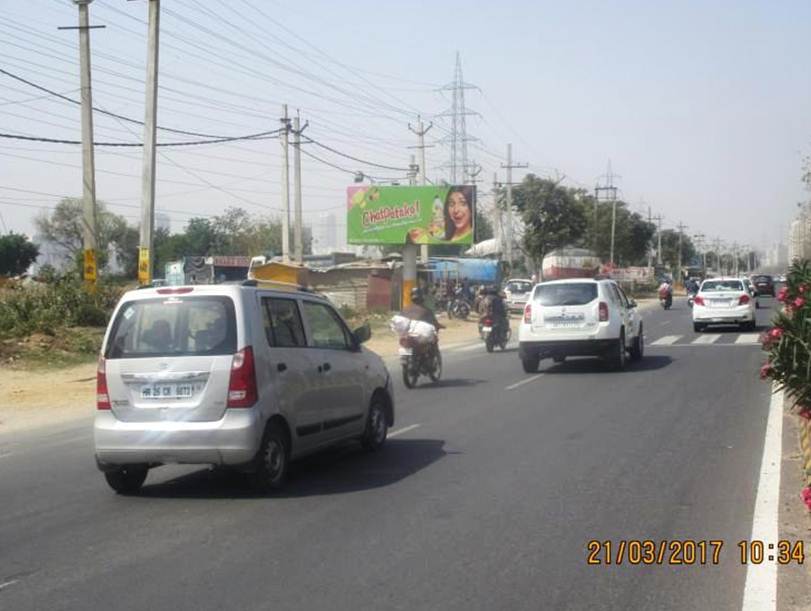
418 215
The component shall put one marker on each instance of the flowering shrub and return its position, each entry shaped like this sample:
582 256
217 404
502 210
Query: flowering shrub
788 344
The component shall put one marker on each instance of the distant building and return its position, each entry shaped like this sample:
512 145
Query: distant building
325 234
777 255
163 221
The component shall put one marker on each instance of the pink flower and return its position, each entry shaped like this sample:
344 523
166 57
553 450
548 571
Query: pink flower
799 302
766 371
766 340
776 333
802 288
782 294
805 495
805 414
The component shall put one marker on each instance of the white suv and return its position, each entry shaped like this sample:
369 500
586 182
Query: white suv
580 317
250 375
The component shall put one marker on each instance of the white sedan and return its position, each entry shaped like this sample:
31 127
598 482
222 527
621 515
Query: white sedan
723 301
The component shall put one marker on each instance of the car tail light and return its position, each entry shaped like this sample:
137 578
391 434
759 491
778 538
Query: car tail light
102 395
242 386
487 322
180 291
698 300
528 313
603 311
744 299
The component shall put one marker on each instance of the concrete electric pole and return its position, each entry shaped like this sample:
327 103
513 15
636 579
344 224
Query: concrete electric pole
285 185
612 197
658 218
88 158
298 243
145 255
420 131
509 221
681 227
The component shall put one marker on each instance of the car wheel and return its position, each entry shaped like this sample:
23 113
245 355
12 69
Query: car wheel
638 346
530 364
436 371
376 427
749 326
272 460
697 327
127 480
616 360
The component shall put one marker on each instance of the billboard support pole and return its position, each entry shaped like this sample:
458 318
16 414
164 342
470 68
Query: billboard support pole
409 272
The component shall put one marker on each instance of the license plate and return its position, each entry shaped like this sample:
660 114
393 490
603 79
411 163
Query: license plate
169 391
405 351
487 329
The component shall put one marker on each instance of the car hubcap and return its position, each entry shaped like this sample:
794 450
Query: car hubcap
274 459
378 424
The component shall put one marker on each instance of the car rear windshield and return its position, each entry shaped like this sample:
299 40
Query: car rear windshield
763 278
566 294
186 326
519 287
721 285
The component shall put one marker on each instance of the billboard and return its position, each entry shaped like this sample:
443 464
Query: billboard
418 215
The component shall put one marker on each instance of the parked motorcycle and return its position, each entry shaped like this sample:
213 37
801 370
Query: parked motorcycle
418 359
494 334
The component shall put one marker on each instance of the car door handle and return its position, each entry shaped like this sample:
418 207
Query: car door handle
281 367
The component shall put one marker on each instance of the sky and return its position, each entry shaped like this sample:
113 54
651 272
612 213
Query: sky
702 108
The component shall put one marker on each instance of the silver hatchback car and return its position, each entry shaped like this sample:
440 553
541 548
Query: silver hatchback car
252 376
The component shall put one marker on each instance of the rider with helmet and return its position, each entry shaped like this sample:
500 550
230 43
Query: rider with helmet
418 311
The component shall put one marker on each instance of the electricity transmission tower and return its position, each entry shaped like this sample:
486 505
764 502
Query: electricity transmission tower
458 165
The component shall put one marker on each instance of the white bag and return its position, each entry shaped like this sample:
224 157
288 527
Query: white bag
424 332
400 324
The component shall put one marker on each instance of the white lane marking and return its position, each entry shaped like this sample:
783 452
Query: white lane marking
760 589
5 454
8 583
522 382
747 338
667 340
405 429
667 322
468 348
707 339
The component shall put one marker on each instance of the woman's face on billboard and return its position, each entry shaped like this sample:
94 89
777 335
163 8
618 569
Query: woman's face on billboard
459 211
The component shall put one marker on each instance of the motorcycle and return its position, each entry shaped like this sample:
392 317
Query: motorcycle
666 301
419 358
494 334
458 306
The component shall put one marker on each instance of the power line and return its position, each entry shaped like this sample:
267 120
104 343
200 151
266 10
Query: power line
259 136
363 161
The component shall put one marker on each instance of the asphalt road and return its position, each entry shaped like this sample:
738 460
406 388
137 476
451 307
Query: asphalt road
486 501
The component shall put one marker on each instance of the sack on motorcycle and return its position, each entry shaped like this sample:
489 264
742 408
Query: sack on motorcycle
423 332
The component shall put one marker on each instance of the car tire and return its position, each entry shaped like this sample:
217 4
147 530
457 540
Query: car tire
376 431
698 327
638 346
530 364
616 360
272 460
128 479
749 326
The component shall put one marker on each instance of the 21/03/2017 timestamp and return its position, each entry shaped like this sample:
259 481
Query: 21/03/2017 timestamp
690 552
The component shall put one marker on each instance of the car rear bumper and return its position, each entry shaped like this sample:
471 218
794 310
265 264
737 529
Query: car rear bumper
232 440
721 316
551 348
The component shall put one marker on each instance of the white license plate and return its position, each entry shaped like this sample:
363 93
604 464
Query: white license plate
487 329
405 351
169 391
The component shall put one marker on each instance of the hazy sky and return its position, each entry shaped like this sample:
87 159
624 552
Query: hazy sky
704 108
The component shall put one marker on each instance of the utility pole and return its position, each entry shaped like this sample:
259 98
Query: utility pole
658 218
298 245
88 158
499 229
699 238
612 197
420 132
681 227
650 249
145 255
509 232
285 186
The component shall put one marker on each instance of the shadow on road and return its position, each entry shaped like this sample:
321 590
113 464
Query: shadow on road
451 383
346 468
595 365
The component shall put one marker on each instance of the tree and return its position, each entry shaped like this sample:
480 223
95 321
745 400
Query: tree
633 234
64 227
17 253
553 216
670 249
484 228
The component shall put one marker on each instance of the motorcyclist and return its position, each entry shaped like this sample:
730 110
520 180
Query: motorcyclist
493 307
666 291
418 311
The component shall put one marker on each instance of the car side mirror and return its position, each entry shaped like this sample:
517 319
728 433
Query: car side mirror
362 334
631 303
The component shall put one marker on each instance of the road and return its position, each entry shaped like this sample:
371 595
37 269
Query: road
484 498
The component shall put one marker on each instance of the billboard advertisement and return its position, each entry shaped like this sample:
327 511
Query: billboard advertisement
419 215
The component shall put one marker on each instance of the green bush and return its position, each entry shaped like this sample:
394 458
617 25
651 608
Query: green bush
48 307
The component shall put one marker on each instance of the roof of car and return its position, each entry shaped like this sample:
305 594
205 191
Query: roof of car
576 281
723 279
225 288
